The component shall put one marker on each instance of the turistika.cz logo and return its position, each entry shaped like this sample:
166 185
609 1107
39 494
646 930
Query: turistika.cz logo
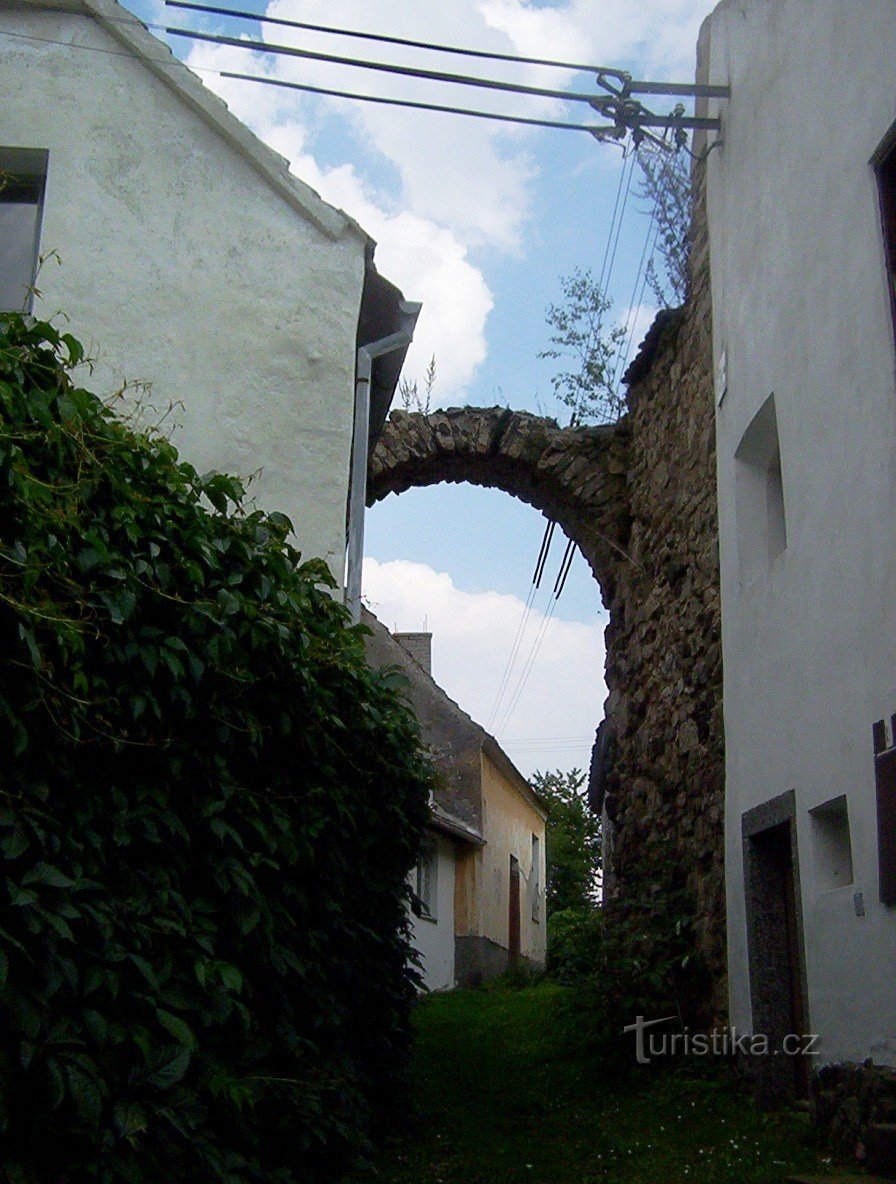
722 1042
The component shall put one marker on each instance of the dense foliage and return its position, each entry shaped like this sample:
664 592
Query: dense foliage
208 809
572 835
633 959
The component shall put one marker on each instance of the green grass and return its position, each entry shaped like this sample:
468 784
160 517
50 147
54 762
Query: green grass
504 1100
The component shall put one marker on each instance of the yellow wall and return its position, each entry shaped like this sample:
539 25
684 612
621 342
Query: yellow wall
508 823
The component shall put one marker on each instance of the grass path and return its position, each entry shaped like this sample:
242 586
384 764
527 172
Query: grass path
503 1102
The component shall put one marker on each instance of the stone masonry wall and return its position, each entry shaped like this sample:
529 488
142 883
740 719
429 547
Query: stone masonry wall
664 780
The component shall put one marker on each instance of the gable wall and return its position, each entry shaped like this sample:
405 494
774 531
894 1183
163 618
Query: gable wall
508 824
182 268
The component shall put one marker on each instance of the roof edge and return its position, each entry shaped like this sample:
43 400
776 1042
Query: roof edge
121 24
496 753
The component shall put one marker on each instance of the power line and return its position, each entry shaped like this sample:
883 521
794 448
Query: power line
343 94
382 38
565 565
524 620
404 71
593 130
514 650
637 300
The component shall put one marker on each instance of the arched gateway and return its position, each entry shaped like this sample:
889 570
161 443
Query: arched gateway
575 476
638 498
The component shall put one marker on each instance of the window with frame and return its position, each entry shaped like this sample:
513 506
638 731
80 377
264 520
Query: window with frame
23 173
885 167
427 879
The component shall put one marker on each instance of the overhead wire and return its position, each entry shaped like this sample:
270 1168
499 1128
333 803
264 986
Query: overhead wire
524 620
385 39
565 564
418 106
293 51
591 129
622 196
637 299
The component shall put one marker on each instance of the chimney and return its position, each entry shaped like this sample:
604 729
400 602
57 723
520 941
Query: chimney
419 646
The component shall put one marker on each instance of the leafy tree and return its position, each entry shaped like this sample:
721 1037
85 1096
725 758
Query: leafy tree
581 339
584 336
209 806
573 842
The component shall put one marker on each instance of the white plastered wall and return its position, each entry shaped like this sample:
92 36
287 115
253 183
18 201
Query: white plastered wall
433 937
183 268
800 311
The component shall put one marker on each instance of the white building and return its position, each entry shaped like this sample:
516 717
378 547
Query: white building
802 269
191 260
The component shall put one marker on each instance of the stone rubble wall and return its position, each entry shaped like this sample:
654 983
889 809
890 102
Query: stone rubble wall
664 781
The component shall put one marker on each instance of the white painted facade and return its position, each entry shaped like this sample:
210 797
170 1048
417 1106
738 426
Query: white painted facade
804 344
432 935
191 260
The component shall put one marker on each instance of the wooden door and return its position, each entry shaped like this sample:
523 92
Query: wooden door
513 928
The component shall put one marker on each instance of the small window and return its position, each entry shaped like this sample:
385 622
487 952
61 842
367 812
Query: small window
759 495
831 844
427 879
885 165
536 878
22 175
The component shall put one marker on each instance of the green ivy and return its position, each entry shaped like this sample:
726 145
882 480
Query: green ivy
209 805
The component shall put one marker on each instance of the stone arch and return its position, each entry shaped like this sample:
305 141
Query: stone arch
639 500
575 476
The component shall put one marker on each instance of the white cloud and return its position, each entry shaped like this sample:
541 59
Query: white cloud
426 259
655 37
473 635
454 184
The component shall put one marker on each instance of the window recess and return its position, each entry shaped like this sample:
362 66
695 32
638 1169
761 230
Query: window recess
23 173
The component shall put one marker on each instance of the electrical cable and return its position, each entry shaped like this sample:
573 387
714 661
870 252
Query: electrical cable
343 94
508 667
524 620
403 71
593 130
565 564
607 271
637 300
386 40
543 553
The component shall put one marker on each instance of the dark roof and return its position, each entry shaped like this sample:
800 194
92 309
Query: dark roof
666 320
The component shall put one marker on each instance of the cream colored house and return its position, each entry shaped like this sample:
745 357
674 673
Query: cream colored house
482 872
191 261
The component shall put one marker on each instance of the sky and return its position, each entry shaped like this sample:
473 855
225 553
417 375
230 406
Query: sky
479 221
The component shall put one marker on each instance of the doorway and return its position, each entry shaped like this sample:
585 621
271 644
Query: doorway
513 926
775 945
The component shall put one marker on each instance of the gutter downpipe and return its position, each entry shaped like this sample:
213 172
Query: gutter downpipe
367 354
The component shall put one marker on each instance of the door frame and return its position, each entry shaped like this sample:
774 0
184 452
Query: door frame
776 1080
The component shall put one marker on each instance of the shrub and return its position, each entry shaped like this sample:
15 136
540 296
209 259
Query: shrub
574 943
637 959
208 808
